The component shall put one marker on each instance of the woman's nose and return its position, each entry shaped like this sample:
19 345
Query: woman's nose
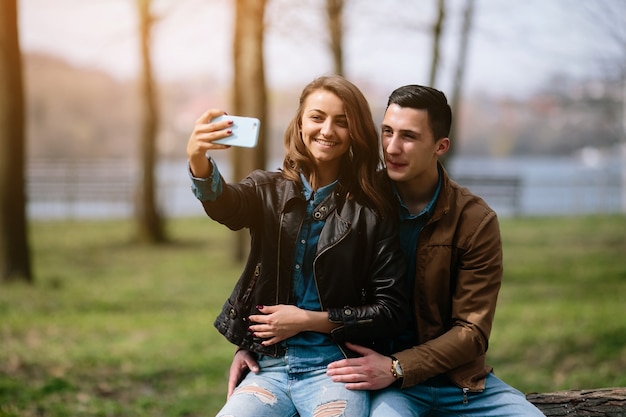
327 129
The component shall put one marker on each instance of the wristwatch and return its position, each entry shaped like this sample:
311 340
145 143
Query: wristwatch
396 369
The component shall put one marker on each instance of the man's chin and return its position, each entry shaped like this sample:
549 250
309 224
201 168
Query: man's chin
395 175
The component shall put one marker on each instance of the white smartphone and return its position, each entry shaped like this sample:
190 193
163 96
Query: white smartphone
245 131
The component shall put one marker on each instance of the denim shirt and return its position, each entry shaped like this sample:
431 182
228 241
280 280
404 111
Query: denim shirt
306 351
207 189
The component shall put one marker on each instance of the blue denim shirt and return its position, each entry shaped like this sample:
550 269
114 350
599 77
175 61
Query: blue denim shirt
306 351
207 189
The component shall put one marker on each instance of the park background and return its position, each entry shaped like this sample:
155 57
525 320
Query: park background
111 326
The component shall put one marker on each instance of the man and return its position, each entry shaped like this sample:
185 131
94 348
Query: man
451 239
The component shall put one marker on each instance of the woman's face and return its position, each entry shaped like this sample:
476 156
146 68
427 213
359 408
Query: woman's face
325 129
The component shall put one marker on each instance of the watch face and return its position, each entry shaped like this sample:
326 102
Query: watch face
398 369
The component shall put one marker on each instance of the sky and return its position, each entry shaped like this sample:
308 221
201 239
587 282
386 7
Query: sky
516 47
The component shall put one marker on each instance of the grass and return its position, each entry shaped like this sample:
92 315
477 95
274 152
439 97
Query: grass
561 321
116 329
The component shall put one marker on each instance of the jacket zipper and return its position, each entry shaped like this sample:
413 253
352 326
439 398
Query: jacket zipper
317 256
252 284
280 236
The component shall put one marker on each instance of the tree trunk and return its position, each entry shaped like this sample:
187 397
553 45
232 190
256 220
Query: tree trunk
14 250
149 222
249 93
437 30
334 10
608 402
461 64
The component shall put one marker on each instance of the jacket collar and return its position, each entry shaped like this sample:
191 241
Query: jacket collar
442 206
293 192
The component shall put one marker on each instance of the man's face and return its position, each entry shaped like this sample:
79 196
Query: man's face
408 143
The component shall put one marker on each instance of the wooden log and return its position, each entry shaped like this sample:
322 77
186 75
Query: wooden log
606 402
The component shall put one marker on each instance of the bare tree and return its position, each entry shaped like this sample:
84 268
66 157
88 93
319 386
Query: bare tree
14 249
468 15
149 222
437 31
249 91
334 11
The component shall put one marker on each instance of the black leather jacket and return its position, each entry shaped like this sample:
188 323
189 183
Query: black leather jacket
359 267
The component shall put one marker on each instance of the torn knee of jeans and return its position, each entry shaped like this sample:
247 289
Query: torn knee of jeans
262 394
331 409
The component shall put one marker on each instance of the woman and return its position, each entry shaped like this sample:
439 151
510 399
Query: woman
324 265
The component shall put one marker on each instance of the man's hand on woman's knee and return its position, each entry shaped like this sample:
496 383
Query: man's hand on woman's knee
243 362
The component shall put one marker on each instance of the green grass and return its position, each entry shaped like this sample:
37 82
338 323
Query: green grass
561 319
116 329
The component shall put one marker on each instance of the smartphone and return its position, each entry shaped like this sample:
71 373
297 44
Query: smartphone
245 131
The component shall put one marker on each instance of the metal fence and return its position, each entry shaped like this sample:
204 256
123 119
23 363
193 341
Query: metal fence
101 188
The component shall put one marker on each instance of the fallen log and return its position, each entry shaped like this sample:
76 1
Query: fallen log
605 402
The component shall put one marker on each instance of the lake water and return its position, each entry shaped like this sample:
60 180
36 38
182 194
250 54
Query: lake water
548 186
562 186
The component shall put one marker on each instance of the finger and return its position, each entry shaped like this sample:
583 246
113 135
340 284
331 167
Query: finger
344 363
262 332
212 132
271 341
265 335
346 372
210 114
231 388
258 318
359 349
349 378
233 380
268 309
359 386
252 364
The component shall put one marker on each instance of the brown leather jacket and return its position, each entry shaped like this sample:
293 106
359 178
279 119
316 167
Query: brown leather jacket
457 280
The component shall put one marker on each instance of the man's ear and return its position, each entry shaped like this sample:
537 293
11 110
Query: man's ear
442 146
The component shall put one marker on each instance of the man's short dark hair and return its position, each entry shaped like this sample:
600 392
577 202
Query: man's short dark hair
420 97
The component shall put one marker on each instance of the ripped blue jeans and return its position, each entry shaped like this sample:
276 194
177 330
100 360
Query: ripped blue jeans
275 391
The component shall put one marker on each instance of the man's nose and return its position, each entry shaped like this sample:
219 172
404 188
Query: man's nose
391 145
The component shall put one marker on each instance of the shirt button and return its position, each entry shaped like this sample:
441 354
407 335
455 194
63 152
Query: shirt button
303 241
297 266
